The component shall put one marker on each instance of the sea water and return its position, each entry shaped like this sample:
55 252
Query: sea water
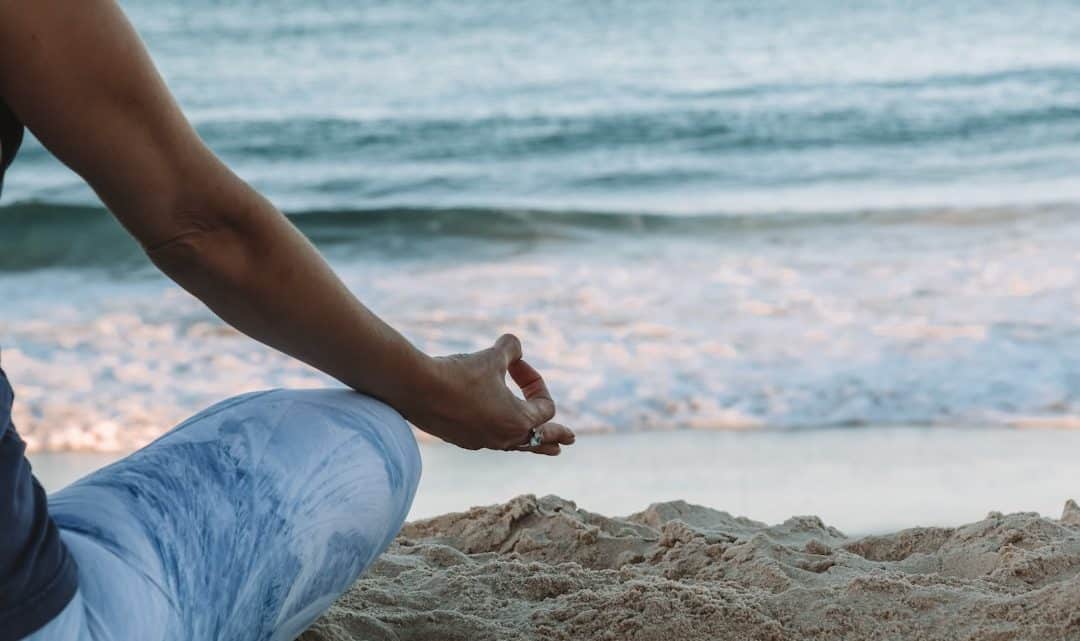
710 215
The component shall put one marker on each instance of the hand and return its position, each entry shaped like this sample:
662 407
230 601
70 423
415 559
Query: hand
469 404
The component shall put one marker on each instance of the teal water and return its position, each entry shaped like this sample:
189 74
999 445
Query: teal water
688 107
738 215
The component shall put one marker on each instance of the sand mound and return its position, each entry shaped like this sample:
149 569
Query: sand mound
544 569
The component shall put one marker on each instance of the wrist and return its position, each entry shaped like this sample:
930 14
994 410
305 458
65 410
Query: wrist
417 386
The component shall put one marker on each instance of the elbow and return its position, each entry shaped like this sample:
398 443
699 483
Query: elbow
204 254
188 246
219 245
182 248
209 230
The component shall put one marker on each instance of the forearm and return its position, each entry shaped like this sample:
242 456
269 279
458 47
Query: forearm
82 81
251 266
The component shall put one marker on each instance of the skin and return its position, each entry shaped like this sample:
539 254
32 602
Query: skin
77 74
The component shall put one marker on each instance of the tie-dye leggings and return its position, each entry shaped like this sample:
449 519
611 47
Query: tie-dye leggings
244 522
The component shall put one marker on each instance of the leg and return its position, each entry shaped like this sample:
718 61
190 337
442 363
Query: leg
69 625
243 523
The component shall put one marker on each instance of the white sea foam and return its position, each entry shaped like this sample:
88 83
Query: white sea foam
911 322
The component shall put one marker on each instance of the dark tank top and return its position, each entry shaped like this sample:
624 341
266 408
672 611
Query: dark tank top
38 576
11 135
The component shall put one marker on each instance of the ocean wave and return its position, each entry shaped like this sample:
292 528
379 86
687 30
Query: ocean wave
41 235
692 107
639 322
789 118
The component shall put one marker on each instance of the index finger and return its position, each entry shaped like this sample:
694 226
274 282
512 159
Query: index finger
533 387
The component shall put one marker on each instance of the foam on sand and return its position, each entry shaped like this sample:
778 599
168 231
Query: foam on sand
544 569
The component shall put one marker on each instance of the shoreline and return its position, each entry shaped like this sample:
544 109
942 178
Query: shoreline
863 481
906 546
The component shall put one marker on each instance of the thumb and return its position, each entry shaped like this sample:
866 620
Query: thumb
508 349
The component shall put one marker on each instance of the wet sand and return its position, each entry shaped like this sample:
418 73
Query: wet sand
861 480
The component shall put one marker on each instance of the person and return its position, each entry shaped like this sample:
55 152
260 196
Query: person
249 519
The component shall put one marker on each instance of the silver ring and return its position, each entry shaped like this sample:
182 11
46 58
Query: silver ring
536 438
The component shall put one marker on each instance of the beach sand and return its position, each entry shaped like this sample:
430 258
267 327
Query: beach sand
544 569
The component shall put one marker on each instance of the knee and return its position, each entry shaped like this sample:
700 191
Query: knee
368 458
351 441
360 428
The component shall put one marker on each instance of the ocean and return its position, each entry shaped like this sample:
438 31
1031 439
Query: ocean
772 216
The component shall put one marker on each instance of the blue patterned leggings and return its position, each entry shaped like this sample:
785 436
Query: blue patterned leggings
244 523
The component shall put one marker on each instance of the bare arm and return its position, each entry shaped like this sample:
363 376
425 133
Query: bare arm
79 77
